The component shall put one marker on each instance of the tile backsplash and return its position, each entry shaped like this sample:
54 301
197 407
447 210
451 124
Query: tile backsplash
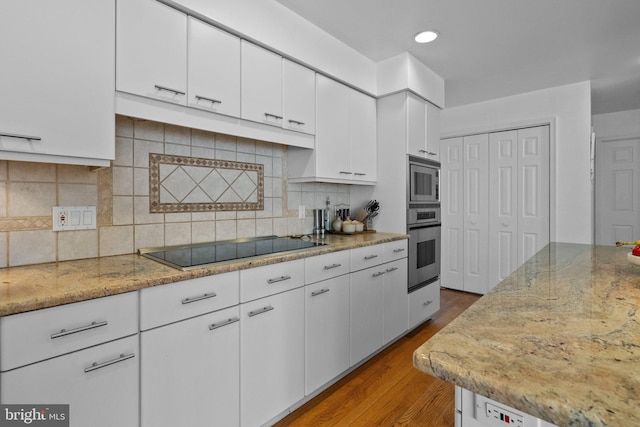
121 193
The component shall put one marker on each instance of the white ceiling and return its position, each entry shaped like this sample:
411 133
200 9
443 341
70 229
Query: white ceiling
493 48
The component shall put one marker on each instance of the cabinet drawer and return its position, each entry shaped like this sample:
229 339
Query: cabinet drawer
395 250
423 303
271 279
37 335
169 303
366 257
326 266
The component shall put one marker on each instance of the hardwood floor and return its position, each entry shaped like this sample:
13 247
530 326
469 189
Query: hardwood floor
387 390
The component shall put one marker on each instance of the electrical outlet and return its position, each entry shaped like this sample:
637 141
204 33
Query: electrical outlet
67 218
301 212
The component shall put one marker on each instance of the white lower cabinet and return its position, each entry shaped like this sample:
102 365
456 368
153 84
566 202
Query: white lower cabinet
326 331
423 303
190 372
395 310
271 356
100 384
366 312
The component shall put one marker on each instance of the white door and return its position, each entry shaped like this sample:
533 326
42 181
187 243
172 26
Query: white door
533 191
476 213
451 190
617 199
261 85
362 137
332 129
503 209
299 97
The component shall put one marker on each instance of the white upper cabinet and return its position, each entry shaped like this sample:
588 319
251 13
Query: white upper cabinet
151 52
213 69
346 146
299 85
423 128
261 85
57 81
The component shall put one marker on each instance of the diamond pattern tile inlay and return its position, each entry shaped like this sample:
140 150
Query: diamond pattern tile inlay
191 184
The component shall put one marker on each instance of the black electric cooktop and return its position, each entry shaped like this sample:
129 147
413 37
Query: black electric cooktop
206 254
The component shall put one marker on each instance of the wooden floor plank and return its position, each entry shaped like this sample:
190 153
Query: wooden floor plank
387 390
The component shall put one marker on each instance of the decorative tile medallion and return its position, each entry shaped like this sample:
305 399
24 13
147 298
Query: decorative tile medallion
192 184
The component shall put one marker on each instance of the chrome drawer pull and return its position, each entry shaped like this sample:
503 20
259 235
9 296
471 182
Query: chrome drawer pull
427 303
395 251
211 100
378 274
320 292
278 279
359 174
200 298
13 135
97 365
296 122
275 116
346 173
329 267
367 258
65 332
260 310
168 89
223 323
389 270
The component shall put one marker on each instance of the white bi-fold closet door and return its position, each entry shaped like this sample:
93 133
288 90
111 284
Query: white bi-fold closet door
495 205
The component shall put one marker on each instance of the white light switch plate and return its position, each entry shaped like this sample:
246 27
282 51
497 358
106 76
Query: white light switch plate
66 218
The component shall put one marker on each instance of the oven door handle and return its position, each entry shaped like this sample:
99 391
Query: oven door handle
420 226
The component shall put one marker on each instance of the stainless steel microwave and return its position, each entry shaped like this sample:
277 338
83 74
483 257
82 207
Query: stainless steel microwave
423 180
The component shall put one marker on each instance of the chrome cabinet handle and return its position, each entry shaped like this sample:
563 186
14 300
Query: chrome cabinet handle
211 100
15 135
279 279
320 292
359 174
395 251
378 274
428 153
346 173
275 116
200 298
389 270
367 258
223 323
168 89
96 365
329 267
65 332
296 122
427 303
260 310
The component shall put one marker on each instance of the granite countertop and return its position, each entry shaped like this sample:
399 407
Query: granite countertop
34 287
558 339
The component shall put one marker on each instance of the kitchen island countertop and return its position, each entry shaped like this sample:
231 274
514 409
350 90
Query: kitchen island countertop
558 339
33 287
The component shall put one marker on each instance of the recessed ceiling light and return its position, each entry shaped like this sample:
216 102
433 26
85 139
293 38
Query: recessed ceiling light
427 36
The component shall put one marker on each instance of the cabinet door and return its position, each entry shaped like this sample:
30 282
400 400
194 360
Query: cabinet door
151 51
362 136
396 309
433 131
213 69
100 384
190 372
299 97
271 356
423 303
332 129
261 85
327 331
452 211
416 125
57 80
476 213
366 312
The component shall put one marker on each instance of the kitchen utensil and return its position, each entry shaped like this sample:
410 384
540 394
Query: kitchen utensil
637 242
